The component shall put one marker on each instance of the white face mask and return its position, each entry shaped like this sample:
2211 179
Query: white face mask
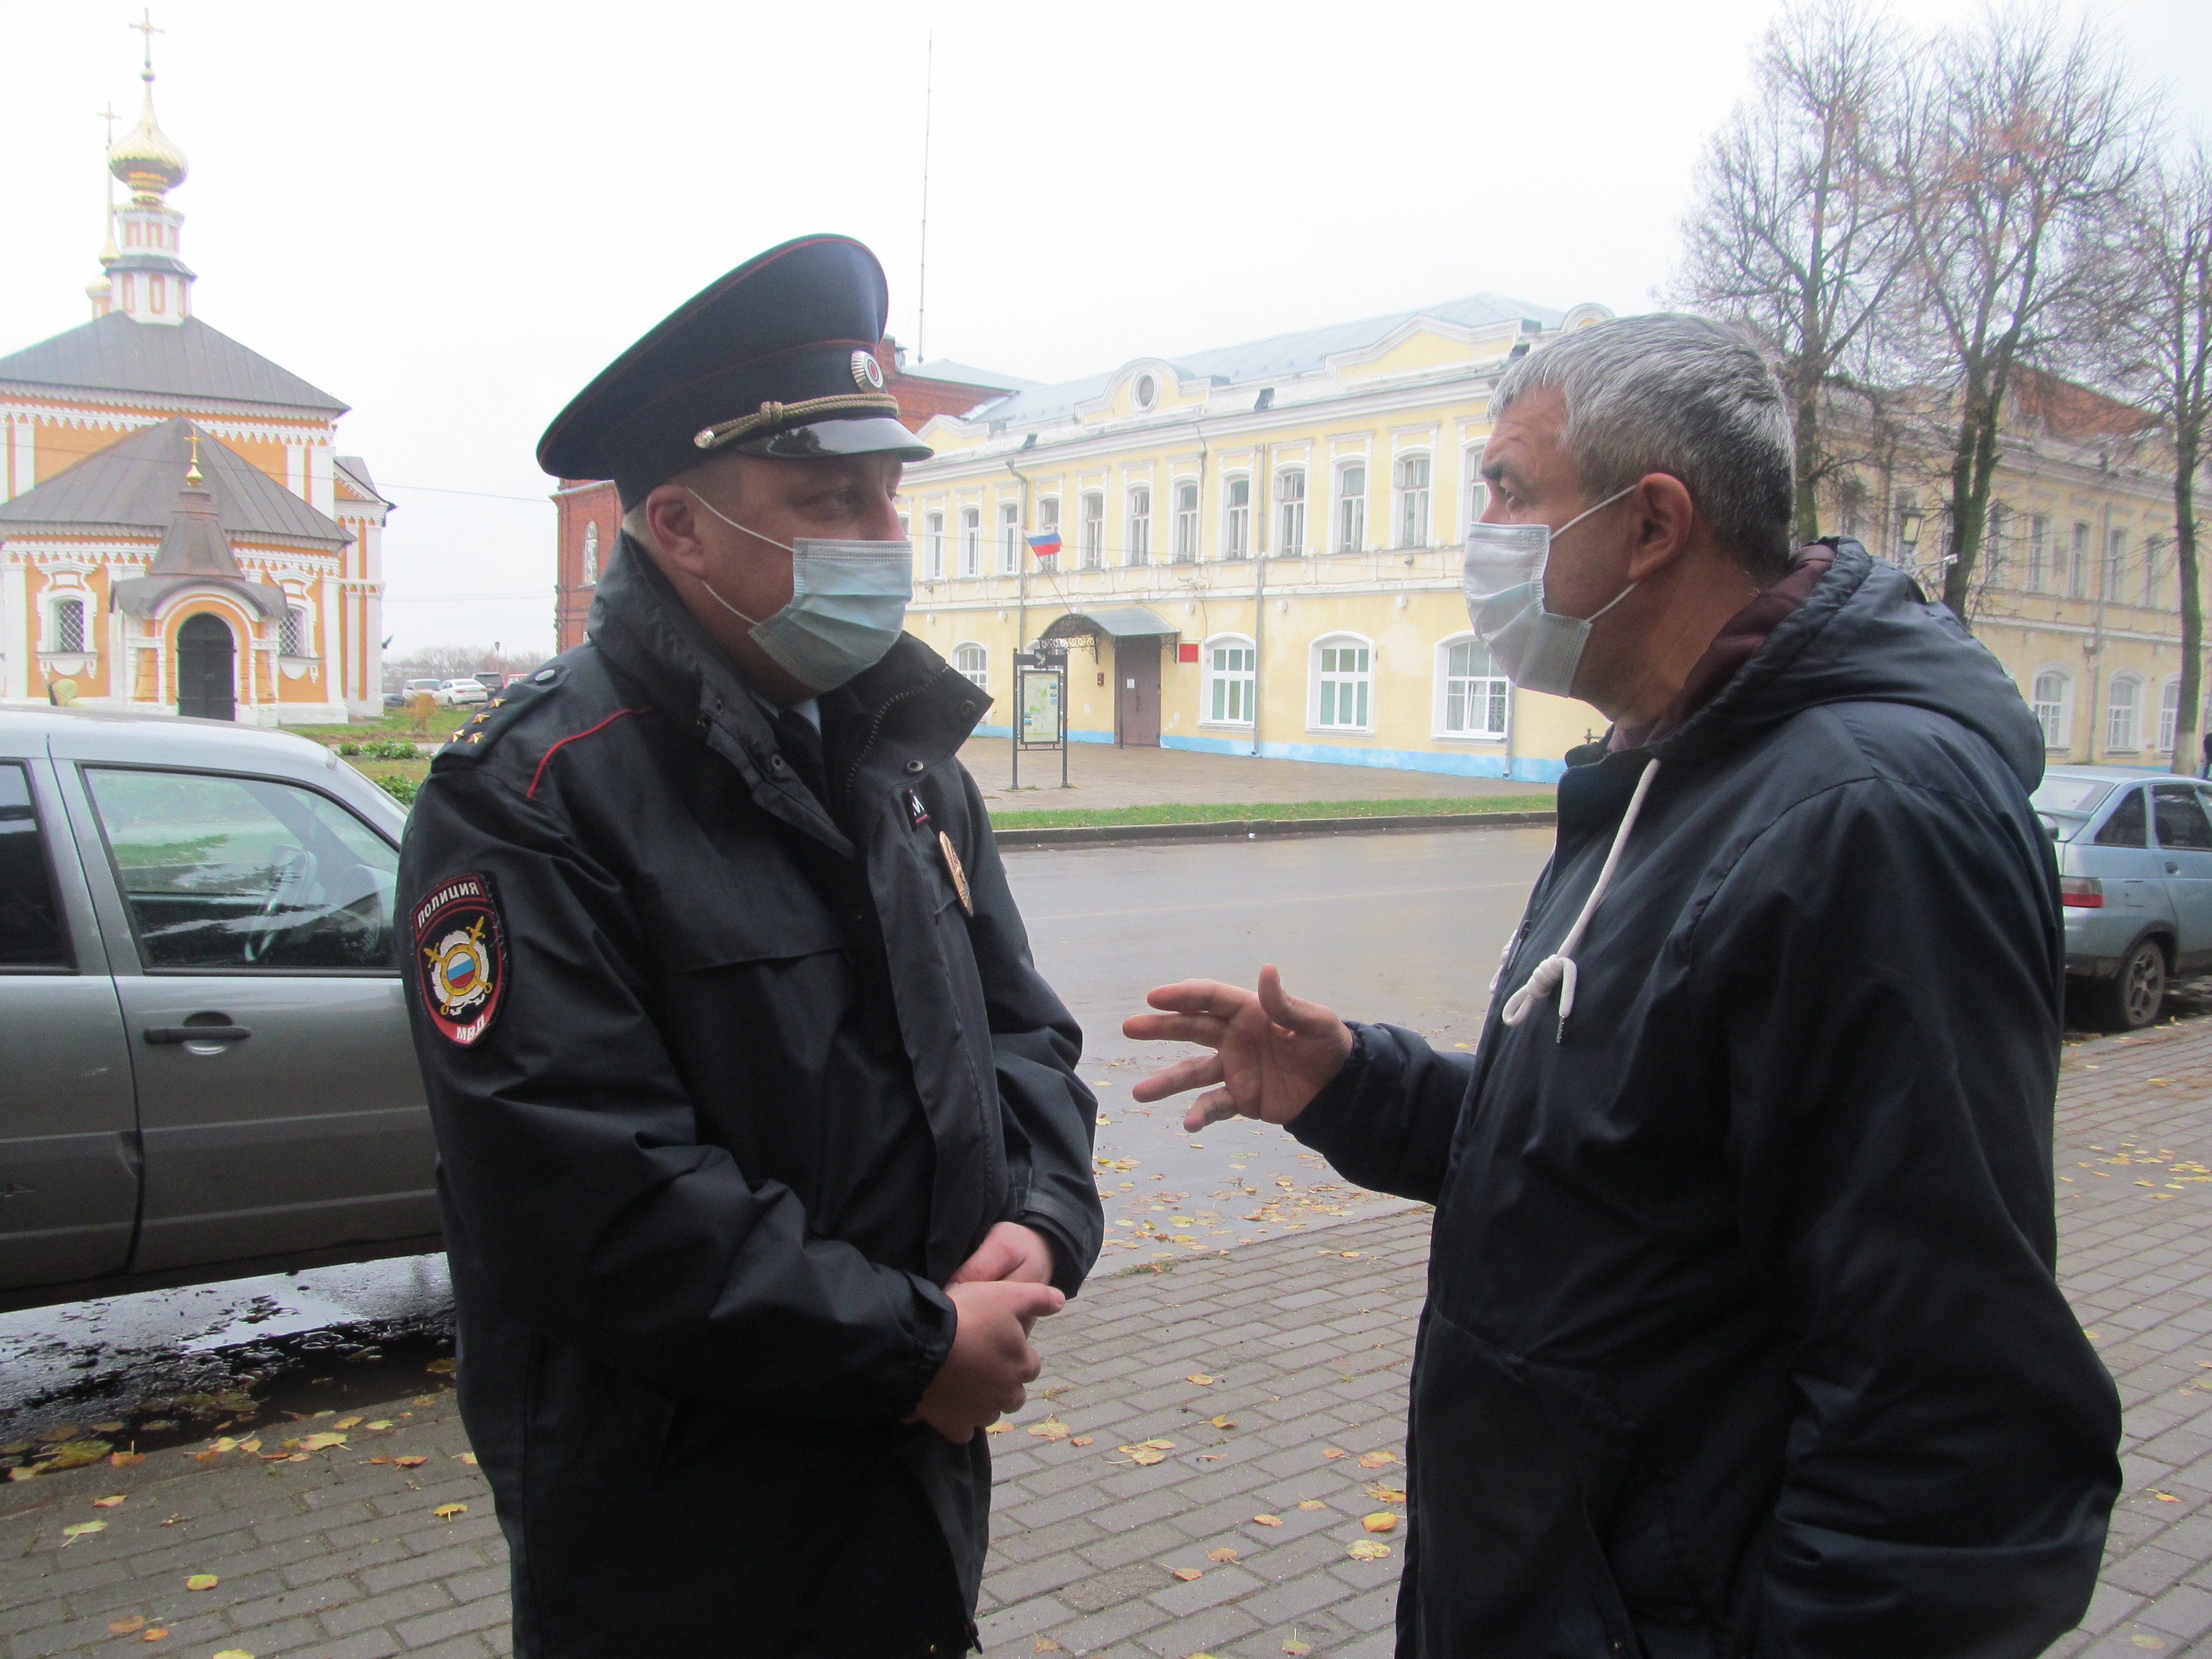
1538 649
847 607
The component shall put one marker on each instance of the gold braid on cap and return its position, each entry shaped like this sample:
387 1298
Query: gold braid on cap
774 415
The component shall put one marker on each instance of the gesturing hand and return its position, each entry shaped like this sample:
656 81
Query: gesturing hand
991 1356
1273 1053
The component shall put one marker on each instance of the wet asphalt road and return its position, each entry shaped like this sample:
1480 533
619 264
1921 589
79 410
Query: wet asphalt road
1401 927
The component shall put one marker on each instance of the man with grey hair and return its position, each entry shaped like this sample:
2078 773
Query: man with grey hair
1742 1335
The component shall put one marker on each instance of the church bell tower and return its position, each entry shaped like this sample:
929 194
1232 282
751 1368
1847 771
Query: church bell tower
145 278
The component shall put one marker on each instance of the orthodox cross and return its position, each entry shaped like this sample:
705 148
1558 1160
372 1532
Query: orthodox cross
145 26
109 116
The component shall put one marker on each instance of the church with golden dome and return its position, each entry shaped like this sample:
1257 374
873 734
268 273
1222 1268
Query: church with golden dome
178 530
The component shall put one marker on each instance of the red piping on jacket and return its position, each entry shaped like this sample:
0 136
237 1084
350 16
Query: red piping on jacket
537 777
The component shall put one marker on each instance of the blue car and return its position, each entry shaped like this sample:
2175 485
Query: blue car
2135 876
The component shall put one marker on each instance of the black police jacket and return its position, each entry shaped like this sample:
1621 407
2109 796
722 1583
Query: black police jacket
1742 1335
727 1082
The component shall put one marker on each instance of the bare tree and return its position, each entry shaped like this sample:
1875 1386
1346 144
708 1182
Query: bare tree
2163 341
2018 146
1795 229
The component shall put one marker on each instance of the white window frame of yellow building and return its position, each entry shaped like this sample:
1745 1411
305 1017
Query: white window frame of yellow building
2038 550
1010 538
1185 521
2054 715
933 545
1996 546
1091 527
1476 492
1291 512
2124 715
971 541
2077 580
1351 516
1330 683
1232 686
2169 713
2116 565
1237 516
1047 514
1137 526
1415 484
80 598
971 660
2154 549
1495 690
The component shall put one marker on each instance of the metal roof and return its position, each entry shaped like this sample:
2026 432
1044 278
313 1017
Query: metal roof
132 484
1119 621
188 359
1278 357
944 368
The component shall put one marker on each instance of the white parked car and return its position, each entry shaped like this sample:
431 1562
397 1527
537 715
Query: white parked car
455 693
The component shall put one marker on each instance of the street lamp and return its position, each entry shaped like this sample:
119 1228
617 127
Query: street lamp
1908 530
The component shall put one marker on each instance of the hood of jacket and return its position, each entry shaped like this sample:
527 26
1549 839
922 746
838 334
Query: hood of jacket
1867 633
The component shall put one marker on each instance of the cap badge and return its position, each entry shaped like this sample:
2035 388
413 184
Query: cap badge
866 371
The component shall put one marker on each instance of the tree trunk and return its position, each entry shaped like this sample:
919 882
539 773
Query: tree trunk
2186 448
1809 459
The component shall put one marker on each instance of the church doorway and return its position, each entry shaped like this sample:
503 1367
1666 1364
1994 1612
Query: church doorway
206 671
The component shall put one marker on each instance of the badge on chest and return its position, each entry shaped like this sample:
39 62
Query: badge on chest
918 815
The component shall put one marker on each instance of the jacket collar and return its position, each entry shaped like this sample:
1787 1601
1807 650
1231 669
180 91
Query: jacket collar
912 706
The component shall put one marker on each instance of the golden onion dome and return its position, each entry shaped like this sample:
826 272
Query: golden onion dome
144 158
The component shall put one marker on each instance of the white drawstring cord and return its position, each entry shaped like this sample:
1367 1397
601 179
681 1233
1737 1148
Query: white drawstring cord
1557 969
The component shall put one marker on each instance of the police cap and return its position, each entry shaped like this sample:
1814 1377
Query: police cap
777 358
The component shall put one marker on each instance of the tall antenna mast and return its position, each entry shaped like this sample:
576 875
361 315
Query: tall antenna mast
921 289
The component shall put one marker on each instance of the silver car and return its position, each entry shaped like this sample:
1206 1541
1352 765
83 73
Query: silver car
208 1062
2135 877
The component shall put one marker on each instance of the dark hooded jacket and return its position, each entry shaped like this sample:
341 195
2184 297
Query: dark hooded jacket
1742 1335
753 1084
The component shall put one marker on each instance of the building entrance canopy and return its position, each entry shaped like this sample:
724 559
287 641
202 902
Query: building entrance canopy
1122 621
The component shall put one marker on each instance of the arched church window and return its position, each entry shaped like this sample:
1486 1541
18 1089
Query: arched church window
69 624
591 554
292 634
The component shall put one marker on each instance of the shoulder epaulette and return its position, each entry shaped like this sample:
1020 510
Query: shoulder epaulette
481 731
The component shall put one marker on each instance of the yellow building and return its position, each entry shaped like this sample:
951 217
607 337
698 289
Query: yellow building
176 529
2077 593
1261 546
1260 551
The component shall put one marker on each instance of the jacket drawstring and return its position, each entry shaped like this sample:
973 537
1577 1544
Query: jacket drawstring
1557 969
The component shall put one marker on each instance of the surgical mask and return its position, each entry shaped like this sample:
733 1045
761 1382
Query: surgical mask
1538 649
847 607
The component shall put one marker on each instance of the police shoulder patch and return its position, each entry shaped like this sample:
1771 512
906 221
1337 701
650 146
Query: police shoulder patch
460 957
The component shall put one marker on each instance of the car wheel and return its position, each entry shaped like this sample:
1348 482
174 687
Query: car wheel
2132 998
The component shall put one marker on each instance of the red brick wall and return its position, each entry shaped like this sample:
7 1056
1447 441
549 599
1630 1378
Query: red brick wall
582 503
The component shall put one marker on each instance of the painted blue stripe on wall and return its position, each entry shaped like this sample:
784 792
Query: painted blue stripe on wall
1526 769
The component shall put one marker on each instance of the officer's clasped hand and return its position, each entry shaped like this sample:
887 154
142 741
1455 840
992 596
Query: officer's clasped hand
982 1377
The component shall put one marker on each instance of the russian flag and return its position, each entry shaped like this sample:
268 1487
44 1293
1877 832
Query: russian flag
1045 546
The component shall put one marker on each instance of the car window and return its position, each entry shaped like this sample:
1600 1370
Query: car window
2060 793
2180 818
232 873
31 935
2129 824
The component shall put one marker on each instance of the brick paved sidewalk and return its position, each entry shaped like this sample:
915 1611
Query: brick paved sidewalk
1102 775
1306 1340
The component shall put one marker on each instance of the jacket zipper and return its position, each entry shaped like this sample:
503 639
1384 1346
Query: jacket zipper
875 726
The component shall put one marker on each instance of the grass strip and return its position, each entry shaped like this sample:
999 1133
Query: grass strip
1086 817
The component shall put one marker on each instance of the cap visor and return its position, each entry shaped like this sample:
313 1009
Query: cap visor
877 434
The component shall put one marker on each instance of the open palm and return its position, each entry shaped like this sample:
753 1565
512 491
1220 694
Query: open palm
1273 1052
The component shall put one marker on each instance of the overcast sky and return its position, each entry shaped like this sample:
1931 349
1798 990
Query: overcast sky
452 215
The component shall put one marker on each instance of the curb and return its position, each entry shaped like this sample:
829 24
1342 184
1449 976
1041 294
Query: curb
1103 834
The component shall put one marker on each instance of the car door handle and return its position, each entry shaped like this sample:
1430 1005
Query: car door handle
2172 869
198 1033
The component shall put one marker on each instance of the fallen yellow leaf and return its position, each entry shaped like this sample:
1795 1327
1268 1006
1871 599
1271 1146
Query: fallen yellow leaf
1311 1503
410 1463
469 1458
1051 1429
1380 1521
1082 1440
1222 1422
129 1627
1000 1427
324 1442
1376 1460
125 1460
1336 1451
440 1367
1368 1550
2166 1498
200 1581
1147 1452
447 1511
1225 1553
1045 1644
1200 1378
109 1502
380 1426
1188 1573
1268 1520
234 1653
83 1529
347 1423
1291 1645
153 1634
249 1445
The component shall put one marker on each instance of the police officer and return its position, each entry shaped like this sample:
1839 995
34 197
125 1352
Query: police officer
761 1144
